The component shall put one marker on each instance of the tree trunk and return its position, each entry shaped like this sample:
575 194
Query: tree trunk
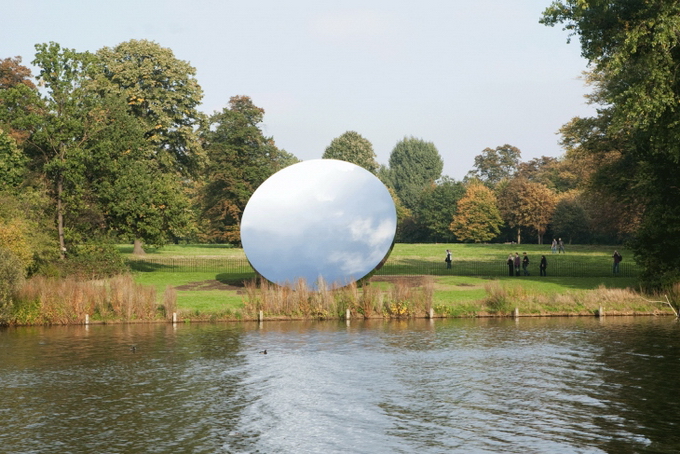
60 218
519 236
137 249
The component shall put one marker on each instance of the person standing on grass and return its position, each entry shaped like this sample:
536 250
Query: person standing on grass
543 265
553 247
560 246
517 263
448 259
525 264
511 265
617 259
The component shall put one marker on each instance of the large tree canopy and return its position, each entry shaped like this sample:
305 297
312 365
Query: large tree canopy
240 158
496 164
477 219
634 52
163 93
414 164
352 147
67 126
526 205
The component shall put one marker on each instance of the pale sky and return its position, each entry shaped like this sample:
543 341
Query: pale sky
463 74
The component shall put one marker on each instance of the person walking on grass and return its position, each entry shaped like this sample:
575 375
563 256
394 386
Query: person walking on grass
525 264
617 259
553 247
560 246
543 265
517 263
448 259
511 265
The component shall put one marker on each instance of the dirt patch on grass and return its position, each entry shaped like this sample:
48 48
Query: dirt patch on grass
411 281
209 285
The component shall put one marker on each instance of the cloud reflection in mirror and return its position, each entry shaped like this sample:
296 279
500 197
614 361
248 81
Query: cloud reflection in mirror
316 219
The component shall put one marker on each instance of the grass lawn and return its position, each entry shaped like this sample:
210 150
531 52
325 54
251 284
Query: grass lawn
214 292
187 250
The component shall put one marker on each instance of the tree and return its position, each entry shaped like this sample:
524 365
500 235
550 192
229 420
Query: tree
352 147
496 164
12 163
634 51
560 175
570 219
20 102
437 206
477 218
134 196
524 204
162 93
414 164
27 228
240 158
67 124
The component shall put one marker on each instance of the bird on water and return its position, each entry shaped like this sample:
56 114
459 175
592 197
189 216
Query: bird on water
264 352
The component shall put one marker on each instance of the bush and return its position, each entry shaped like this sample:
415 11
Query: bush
11 278
94 261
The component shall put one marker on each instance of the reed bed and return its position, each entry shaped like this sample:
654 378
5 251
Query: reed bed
368 301
502 300
43 300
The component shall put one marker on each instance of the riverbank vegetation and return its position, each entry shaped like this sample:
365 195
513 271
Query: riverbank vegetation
113 149
154 293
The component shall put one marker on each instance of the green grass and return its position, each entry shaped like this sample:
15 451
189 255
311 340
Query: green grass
186 250
583 268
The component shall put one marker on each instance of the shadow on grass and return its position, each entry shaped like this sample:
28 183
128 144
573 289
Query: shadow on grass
147 267
235 279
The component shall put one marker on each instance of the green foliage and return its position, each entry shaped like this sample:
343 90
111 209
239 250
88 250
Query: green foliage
11 277
240 158
12 163
437 207
634 51
414 164
571 220
20 103
58 148
352 147
477 218
527 205
163 93
559 175
495 165
94 260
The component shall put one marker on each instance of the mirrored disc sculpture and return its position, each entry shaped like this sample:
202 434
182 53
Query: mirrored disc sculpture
319 219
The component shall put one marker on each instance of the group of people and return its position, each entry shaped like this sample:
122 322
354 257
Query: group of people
514 263
557 246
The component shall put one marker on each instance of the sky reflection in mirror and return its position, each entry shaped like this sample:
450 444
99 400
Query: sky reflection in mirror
321 218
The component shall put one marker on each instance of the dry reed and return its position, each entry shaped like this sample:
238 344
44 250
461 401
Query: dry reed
333 302
62 301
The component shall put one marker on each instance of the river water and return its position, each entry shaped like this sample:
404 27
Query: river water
548 385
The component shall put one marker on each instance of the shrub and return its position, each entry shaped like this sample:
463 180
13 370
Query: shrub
497 299
11 278
94 261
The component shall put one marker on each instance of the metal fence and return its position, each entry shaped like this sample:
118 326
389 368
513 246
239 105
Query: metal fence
241 266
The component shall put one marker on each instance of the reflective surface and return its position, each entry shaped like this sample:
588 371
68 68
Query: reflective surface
452 386
316 219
